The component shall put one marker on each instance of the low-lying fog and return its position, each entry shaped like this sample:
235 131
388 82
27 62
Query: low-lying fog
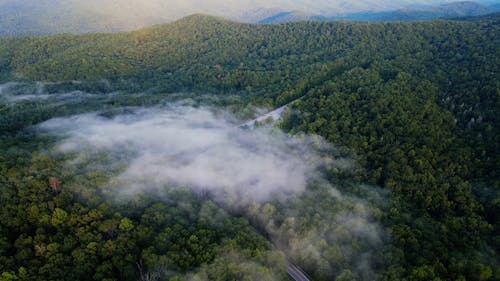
198 148
204 149
14 92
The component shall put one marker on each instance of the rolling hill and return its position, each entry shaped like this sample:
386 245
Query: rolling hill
415 105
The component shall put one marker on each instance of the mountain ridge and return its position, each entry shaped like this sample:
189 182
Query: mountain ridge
447 10
56 16
415 105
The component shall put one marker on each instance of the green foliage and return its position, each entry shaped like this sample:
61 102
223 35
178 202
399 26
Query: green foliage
415 104
76 233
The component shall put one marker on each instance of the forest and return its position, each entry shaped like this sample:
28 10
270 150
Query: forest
406 183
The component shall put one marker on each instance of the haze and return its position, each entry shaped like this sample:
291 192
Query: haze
195 148
145 11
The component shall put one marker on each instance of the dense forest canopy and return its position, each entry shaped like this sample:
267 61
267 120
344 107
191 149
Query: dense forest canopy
413 106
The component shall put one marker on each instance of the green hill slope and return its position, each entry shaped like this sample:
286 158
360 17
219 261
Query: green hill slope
416 104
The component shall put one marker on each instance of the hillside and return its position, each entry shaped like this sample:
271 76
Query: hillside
416 107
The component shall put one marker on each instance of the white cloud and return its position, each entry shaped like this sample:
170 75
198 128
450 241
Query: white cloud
184 146
198 148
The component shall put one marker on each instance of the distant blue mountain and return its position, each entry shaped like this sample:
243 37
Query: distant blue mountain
413 13
450 10
33 17
290 17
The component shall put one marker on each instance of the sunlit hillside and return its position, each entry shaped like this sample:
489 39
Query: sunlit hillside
210 149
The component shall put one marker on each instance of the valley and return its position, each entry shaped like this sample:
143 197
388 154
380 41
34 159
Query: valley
122 155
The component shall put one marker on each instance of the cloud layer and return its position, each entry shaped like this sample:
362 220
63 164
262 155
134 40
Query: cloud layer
201 148
197 148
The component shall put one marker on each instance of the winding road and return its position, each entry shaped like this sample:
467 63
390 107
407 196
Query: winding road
275 115
295 272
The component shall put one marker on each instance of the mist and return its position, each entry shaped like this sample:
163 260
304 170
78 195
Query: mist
248 169
29 17
134 14
195 147
15 92
174 9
